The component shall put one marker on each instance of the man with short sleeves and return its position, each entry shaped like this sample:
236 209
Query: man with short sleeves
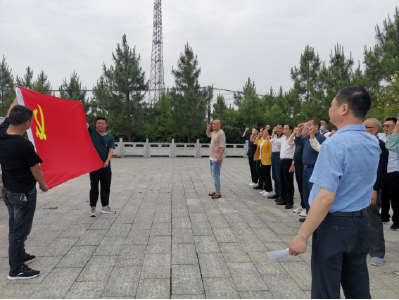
218 144
20 170
105 145
343 181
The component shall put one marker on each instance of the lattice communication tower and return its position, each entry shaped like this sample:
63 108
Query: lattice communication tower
157 84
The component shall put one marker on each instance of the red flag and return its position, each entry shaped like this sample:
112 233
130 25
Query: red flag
60 136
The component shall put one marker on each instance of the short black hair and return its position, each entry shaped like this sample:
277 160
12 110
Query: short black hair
282 124
102 118
391 119
20 114
315 121
357 98
289 126
270 131
325 121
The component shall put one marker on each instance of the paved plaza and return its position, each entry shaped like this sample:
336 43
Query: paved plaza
169 239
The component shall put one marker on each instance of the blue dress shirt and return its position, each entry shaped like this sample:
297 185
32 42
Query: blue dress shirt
347 165
309 156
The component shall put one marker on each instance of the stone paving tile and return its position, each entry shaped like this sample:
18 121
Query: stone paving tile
156 266
160 244
290 288
206 244
202 228
85 290
247 278
213 265
234 253
257 295
224 235
153 289
57 283
119 229
184 254
91 238
300 272
186 280
161 229
201 296
77 257
220 288
75 230
98 269
59 247
182 236
122 282
103 222
110 245
265 266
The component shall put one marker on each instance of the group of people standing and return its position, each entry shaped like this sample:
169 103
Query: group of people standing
348 179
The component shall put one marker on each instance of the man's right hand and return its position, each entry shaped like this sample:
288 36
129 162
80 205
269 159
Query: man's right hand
44 188
246 129
373 198
208 127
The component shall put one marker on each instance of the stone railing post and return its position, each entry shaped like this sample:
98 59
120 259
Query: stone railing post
198 149
147 148
120 150
172 150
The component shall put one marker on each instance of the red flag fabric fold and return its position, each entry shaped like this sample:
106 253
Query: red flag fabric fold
60 136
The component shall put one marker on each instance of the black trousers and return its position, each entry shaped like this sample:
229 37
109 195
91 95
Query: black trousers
267 178
340 246
252 167
377 241
385 203
299 179
392 182
102 176
259 173
287 181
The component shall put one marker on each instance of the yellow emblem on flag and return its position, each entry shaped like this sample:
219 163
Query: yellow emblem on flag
40 125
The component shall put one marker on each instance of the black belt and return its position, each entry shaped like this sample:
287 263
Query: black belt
276 153
349 214
308 166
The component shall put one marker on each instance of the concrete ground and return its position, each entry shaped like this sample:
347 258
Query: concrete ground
169 239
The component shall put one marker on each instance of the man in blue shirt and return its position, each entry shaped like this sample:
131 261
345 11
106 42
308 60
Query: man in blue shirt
343 181
309 158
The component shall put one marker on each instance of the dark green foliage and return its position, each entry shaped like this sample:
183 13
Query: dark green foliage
7 94
73 90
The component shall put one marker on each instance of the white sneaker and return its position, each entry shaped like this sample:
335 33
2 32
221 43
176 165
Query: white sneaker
267 194
303 213
253 184
387 223
107 210
297 210
271 194
93 212
262 192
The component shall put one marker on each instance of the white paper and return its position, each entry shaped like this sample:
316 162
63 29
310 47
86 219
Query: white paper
277 255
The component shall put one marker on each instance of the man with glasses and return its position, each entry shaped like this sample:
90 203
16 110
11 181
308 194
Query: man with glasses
390 190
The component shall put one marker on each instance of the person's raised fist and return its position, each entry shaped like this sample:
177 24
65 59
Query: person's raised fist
246 129
208 126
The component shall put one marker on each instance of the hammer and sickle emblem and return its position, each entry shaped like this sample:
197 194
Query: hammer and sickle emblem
40 125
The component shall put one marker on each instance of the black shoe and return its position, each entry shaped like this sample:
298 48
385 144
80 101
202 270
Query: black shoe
395 227
274 197
279 199
23 273
302 219
28 258
258 187
281 203
288 206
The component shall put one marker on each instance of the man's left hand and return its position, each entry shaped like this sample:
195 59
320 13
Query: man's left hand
298 245
106 164
373 198
292 169
218 160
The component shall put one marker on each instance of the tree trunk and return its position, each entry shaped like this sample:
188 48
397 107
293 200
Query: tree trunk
129 119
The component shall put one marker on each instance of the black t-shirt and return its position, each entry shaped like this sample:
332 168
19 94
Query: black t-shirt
17 156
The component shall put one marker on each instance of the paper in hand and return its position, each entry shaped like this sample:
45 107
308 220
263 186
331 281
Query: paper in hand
277 255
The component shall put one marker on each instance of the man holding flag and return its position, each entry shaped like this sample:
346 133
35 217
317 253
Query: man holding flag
21 169
105 145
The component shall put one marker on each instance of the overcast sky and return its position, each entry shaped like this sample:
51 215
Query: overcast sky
233 39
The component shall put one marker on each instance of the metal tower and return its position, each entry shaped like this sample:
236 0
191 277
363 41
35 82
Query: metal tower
157 84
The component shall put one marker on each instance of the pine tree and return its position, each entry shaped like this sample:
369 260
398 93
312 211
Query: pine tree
26 82
6 86
382 61
308 85
73 90
189 101
42 84
219 108
126 82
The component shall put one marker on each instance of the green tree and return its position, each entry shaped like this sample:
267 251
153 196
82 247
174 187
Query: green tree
249 105
73 90
188 99
308 85
42 84
6 86
126 82
382 61
219 108
26 81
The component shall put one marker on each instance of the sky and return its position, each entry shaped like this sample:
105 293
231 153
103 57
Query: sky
233 39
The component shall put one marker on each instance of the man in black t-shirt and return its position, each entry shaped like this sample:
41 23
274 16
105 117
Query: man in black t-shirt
105 145
20 170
